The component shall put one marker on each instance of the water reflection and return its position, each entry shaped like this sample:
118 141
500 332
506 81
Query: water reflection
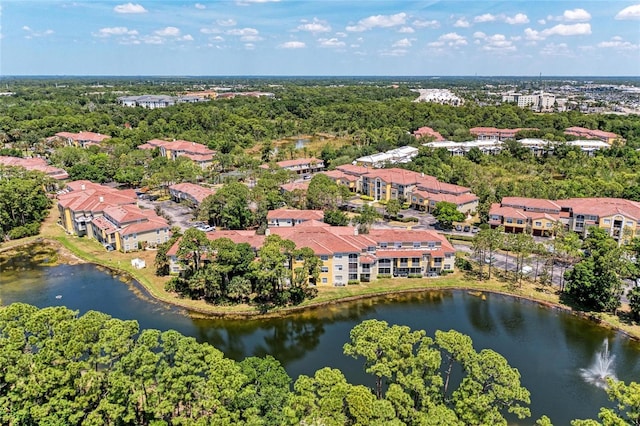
549 347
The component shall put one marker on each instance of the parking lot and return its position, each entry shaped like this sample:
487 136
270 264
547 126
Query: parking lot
179 215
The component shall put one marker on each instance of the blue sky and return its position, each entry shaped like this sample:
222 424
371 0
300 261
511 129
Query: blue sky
321 37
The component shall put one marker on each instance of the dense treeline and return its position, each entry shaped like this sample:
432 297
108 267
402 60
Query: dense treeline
23 202
57 367
221 271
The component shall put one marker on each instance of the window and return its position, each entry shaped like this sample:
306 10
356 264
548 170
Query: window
338 278
337 256
324 281
416 245
447 266
431 244
509 220
519 221
353 257
337 267
538 223
383 245
415 260
324 269
324 257
398 245
371 249
629 223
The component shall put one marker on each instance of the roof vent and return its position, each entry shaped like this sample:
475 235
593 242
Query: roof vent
101 199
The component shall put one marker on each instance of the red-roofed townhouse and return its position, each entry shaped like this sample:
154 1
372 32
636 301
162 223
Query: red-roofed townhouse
292 217
619 217
582 132
196 152
347 256
491 133
110 216
81 139
341 178
190 192
428 132
300 166
388 184
35 164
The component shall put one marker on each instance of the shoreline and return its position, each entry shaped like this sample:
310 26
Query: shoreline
67 256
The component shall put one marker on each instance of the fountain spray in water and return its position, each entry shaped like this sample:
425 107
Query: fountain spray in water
601 369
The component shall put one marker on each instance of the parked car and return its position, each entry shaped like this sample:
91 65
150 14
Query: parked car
206 228
458 228
466 228
474 229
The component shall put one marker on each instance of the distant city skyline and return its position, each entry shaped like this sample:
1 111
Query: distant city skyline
320 38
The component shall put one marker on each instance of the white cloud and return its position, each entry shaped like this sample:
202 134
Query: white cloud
210 31
245 34
394 52
33 33
168 32
187 37
542 21
293 45
426 24
405 42
567 30
449 39
406 30
617 43
114 31
249 46
533 35
462 23
553 49
226 22
314 26
200 6
217 39
518 18
341 34
152 39
576 15
129 8
498 43
573 15
479 34
630 12
487 17
331 42
381 21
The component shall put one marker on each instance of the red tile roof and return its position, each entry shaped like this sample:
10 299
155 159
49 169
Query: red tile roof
199 193
36 164
352 169
428 131
299 162
395 175
83 136
530 203
296 214
289 187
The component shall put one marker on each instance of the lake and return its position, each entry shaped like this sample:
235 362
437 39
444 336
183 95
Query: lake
549 347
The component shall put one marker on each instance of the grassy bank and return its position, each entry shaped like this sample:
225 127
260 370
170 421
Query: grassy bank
91 251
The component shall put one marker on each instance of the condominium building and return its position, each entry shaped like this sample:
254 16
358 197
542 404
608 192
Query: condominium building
35 164
349 256
196 152
581 132
191 192
80 139
109 216
536 146
400 155
292 217
420 190
538 217
300 166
